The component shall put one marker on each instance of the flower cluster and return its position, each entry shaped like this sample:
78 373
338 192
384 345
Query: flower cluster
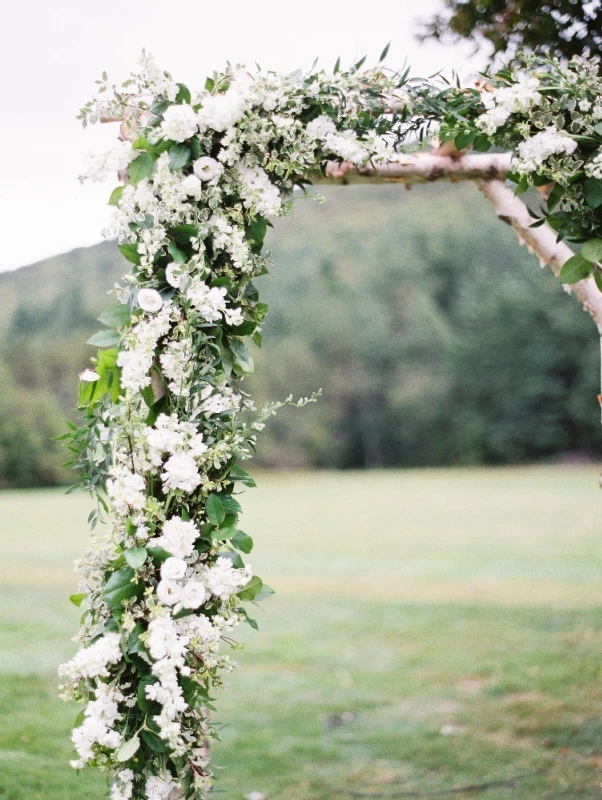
167 423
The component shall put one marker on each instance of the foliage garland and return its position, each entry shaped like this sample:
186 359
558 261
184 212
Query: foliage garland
167 425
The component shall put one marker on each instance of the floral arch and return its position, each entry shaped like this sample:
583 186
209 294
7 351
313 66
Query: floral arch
167 425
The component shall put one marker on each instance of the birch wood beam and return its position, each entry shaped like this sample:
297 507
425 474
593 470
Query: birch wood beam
542 242
421 168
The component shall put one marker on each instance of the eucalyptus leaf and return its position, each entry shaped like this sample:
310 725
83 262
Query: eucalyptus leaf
105 339
127 750
252 589
116 316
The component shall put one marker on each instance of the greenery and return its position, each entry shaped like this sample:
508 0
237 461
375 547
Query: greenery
439 307
562 27
477 609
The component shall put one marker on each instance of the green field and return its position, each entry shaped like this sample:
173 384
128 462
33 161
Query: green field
431 629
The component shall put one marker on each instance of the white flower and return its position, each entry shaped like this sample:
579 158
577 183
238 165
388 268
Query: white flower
158 789
126 489
89 376
93 661
181 472
207 168
221 111
179 122
504 101
223 580
149 300
321 127
97 728
234 316
177 537
258 192
210 303
169 592
98 168
193 595
192 186
535 150
173 568
593 168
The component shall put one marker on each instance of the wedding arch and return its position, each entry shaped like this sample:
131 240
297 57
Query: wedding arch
167 425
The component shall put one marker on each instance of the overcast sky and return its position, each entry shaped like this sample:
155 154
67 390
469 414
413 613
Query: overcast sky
51 52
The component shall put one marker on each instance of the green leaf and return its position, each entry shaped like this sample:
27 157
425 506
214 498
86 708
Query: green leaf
266 591
77 599
116 316
130 252
195 147
215 510
464 139
183 95
592 188
598 278
141 167
242 541
256 231
144 704
481 144
179 156
239 474
241 355
158 554
384 53
116 195
154 742
155 410
598 128
120 587
592 250
105 339
182 234
135 556
134 645
127 750
252 589
179 256
575 269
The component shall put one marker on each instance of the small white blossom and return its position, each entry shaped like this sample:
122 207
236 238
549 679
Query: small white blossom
149 300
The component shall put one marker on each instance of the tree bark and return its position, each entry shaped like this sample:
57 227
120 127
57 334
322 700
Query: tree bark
542 242
422 167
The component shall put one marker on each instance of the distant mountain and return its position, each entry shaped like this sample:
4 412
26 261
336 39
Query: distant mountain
437 340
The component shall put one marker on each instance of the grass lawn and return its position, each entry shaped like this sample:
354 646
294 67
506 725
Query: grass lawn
431 629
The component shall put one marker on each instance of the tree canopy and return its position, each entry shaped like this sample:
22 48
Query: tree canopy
563 28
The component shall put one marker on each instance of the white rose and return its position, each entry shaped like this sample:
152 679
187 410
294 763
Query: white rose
172 274
193 594
192 186
173 568
169 592
89 376
149 300
206 168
